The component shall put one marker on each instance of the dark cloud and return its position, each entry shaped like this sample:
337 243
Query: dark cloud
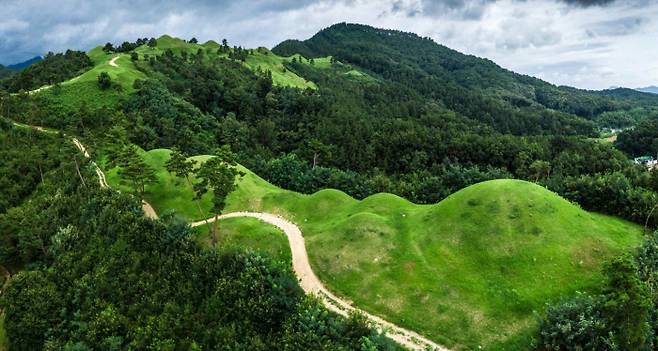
462 9
588 3
33 27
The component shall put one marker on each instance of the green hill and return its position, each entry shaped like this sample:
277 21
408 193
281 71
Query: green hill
474 87
469 271
72 93
260 58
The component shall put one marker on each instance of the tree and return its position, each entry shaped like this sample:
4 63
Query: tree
108 47
575 324
134 56
193 40
32 309
218 175
540 169
152 43
104 80
627 304
135 170
319 150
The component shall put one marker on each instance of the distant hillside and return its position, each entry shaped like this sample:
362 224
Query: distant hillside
25 64
5 72
475 87
651 89
54 68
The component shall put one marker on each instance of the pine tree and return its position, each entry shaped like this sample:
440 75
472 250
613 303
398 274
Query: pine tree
135 170
218 175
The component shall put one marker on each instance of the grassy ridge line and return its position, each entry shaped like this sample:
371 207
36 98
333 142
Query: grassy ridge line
261 58
83 89
469 271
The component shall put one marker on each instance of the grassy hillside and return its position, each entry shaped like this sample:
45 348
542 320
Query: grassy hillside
469 271
260 58
84 89
251 233
71 94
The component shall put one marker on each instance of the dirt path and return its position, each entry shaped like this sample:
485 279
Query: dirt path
50 86
149 211
113 62
312 285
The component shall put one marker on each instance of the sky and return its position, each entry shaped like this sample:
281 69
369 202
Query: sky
591 44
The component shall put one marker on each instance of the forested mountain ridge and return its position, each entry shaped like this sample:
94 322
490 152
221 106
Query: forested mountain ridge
5 72
456 79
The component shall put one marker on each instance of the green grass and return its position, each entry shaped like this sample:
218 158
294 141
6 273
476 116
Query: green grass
250 233
84 89
469 271
261 58
264 59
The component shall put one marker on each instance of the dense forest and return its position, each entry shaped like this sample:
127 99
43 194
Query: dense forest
477 88
5 72
54 68
418 120
641 140
97 275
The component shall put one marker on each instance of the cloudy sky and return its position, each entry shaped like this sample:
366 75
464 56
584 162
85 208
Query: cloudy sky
590 44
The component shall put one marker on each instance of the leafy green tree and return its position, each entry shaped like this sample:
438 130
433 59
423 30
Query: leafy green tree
134 56
319 150
104 80
627 304
31 304
152 43
575 325
194 40
540 169
219 175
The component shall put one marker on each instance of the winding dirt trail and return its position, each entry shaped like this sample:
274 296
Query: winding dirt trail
113 61
301 266
312 285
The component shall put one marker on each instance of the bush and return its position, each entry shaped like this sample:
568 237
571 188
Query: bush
104 80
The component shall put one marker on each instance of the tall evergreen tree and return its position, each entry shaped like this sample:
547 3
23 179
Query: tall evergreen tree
135 170
219 175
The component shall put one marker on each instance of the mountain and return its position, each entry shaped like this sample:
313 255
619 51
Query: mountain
466 84
5 72
27 63
650 89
